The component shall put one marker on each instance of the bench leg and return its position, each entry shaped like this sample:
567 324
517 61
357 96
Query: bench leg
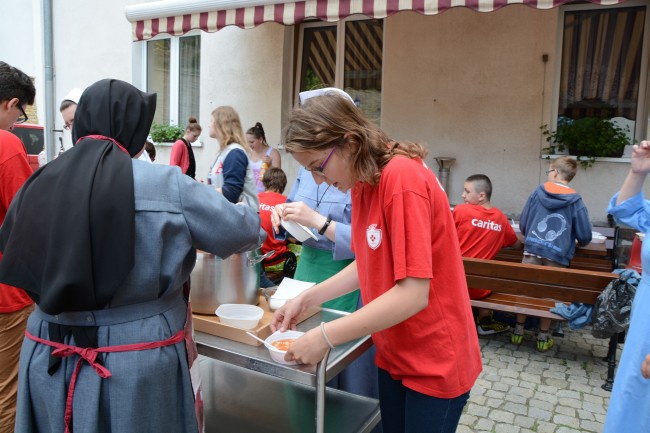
611 362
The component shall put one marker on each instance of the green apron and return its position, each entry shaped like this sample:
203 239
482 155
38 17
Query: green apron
316 266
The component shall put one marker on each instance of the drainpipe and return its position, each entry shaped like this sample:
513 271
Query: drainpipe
48 75
444 165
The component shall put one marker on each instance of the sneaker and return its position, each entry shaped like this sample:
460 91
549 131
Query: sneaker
489 326
545 345
516 338
558 332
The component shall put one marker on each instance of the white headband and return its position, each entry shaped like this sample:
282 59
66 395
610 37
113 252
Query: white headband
318 92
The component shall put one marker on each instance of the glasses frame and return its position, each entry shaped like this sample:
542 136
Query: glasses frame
23 116
320 170
551 170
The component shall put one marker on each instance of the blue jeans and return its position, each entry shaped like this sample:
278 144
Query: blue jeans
406 411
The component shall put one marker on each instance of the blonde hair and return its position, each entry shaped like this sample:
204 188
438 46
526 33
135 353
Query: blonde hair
226 120
331 120
566 167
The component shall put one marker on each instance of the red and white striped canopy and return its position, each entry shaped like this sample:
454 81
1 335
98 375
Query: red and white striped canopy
177 18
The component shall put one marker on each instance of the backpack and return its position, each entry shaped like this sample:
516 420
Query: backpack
611 313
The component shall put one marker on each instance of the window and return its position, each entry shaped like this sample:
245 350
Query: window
173 71
601 69
347 55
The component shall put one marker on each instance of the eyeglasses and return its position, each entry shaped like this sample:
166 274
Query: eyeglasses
320 170
68 125
552 169
23 116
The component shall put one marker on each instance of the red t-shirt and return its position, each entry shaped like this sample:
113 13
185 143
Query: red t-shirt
268 200
180 156
401 228
14 171
482 233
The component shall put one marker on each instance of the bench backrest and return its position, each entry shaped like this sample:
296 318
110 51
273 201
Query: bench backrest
561 284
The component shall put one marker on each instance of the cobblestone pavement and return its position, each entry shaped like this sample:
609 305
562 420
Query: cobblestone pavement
521 390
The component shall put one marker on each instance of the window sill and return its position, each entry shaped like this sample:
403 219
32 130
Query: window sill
197 143
623 159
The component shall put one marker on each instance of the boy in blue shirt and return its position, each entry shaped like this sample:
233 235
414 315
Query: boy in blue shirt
553 218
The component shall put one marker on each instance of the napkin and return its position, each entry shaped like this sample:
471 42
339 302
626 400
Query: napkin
298 230
290 288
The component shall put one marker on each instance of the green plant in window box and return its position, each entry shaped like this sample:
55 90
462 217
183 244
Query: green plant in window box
587 138
166 133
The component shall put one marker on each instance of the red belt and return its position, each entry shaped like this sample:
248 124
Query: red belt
89 354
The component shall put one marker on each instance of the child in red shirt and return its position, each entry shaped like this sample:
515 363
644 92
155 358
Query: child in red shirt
408 267
274 181
482 231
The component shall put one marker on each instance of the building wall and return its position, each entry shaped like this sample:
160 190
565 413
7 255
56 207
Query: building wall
241 68
469 85
92 41
476 89
21 46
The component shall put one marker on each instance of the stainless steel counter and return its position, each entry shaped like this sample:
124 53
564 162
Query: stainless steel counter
245 391
257 358
237 400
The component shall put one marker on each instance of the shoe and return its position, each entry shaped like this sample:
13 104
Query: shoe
489 326
516 338
558 332
545 345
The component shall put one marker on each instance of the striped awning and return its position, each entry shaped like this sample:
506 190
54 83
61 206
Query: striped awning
177 17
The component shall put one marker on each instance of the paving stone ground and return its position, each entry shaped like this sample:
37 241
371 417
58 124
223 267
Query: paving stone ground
522 391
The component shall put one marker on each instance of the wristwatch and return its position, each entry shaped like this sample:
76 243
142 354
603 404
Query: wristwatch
325 226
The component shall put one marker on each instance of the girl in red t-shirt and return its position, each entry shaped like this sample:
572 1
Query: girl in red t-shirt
408 266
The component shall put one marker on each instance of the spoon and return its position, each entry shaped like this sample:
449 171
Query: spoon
270 346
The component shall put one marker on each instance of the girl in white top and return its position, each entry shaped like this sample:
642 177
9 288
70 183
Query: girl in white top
261 153
231 172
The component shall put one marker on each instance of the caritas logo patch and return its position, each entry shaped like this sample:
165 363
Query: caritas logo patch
373 236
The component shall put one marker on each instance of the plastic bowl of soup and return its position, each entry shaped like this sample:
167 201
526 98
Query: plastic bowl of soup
278 343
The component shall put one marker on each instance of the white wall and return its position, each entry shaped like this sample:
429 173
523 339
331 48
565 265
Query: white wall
241 68
92 41
21 45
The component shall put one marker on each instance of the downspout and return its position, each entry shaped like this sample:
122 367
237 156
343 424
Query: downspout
48 76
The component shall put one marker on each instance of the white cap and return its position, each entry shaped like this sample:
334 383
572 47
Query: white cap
73 95
318 92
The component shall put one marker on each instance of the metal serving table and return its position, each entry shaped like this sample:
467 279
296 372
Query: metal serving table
246 391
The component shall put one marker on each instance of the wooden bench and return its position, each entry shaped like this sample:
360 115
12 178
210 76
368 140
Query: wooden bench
520 288
533 290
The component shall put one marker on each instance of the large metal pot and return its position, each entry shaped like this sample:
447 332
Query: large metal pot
234 280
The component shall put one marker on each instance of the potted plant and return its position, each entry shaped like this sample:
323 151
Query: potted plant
166 133
587 138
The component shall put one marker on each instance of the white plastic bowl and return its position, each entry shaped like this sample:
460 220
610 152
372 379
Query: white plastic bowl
242 316
276 354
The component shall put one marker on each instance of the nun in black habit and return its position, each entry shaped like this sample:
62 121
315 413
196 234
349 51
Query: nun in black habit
103 243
